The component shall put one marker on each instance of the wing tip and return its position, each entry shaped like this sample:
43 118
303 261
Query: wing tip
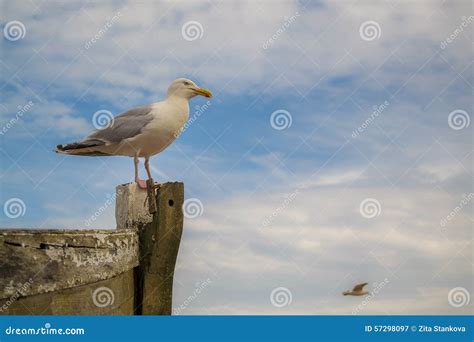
59 149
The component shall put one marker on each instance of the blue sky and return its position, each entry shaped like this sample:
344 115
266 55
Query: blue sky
328 73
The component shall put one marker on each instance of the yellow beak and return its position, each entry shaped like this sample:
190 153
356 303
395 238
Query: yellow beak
203 92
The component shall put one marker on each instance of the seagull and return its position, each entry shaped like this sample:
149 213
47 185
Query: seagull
141 132
356 291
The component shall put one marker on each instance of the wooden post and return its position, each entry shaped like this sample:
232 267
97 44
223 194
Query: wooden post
97 272
151 195
159 244
131 209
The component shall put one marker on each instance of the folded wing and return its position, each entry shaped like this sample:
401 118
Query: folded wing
126 125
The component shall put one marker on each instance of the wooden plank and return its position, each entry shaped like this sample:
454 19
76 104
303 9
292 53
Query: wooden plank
114 296
34 262
159 244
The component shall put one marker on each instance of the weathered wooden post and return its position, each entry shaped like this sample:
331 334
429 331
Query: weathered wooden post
97 272
159 239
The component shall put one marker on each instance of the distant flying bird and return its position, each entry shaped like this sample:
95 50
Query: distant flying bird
142 131
356 291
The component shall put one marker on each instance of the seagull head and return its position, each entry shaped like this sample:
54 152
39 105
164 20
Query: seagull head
184 88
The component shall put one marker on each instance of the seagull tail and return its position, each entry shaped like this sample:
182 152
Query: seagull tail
82 148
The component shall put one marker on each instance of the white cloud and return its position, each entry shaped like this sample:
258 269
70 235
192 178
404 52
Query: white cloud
333 242
143 49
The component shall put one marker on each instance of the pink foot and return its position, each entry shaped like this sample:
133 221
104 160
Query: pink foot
141 184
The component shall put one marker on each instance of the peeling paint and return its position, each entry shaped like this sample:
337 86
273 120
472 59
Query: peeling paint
63 261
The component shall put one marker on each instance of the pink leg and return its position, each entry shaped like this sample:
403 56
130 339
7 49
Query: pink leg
141 183
147 168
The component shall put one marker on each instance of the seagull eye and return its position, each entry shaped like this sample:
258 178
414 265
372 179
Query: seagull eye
186 83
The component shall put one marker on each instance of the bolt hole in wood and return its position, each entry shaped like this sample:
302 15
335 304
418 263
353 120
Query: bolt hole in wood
170 202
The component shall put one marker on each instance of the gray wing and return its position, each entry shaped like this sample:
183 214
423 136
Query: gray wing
126 125
359 287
